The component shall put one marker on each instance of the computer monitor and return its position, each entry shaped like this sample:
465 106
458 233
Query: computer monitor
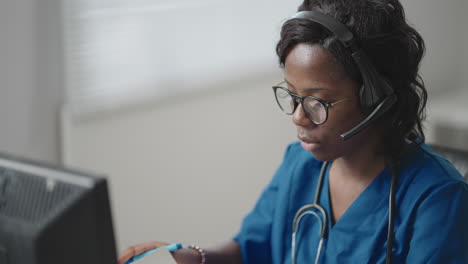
51 215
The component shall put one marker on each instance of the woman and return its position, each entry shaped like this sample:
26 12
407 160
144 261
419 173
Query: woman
374 192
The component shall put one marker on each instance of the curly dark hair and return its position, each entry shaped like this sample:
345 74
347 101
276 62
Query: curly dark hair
394 47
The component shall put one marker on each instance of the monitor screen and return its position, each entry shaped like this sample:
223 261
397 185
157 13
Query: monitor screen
52 215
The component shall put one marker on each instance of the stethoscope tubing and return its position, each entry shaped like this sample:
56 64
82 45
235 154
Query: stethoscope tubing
319 249
307 209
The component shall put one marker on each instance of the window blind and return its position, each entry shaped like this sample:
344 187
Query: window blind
119 52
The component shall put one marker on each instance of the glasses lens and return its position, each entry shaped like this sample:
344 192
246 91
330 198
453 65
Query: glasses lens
285 101
315 110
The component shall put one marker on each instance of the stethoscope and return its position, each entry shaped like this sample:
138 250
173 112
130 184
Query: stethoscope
316 210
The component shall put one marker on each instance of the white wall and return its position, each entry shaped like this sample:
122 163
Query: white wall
186 169
442 25
444 69
30 78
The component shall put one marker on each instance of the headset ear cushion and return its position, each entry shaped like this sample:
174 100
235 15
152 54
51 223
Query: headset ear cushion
383 107
372 93
375 87
366 105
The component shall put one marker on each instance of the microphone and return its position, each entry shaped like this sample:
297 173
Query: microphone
382 108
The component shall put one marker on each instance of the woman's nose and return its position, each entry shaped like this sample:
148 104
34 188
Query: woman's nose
300 118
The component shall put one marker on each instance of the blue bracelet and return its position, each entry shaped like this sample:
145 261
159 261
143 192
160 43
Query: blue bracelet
170 248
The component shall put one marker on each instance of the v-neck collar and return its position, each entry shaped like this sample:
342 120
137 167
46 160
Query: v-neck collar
372 197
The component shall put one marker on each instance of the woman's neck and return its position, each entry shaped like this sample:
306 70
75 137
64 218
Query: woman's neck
363 164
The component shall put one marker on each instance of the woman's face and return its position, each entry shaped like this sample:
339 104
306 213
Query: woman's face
312 70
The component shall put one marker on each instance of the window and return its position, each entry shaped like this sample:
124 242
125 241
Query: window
119 52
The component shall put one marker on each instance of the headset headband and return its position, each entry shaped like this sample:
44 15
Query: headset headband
337 28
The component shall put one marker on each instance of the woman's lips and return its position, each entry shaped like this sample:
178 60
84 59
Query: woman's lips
310 146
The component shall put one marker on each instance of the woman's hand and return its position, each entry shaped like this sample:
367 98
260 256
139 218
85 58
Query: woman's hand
181 256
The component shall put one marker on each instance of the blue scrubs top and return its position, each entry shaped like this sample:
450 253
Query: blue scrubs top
430 224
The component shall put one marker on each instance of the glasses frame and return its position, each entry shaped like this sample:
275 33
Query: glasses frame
300 99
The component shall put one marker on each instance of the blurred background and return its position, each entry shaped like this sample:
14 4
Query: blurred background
172 101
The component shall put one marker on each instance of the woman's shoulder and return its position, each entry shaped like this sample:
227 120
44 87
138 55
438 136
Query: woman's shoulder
424 171
295 153
298 161
433 166
433 209
295 148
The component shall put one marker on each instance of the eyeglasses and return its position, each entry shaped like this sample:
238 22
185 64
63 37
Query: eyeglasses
315 108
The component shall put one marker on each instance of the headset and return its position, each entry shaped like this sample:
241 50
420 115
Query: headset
376 96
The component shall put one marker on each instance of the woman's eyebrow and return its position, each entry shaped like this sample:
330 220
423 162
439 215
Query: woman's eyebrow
311 89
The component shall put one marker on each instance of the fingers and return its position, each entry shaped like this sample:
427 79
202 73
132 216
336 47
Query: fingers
138 249
126 255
